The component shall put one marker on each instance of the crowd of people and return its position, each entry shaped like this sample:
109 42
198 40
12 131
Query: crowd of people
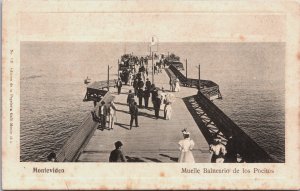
138 98
135 74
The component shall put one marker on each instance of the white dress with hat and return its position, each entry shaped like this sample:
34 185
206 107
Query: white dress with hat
186 147
162 98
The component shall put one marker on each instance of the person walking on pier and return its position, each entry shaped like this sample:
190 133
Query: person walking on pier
140 96
134 111
130 78
157 103
148 84
119 86
162 94
167 111
135 85
170 98
117 154
186 146
140 83
111 115
172 87
146 96
130 99
103 114
154 93
177 86
218 151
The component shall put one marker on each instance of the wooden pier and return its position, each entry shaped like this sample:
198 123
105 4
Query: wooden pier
155 140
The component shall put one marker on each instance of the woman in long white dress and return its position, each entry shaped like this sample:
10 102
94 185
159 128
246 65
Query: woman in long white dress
169 99
168 111
111 115
130 79
162 94
177 86
186 146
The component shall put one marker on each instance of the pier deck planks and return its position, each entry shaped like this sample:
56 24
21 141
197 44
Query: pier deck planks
155 140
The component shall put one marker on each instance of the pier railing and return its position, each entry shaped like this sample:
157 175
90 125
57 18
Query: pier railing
244 145
96 90
215 123
74 145
209 88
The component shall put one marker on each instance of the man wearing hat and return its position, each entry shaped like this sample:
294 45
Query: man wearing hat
134 111
130 99
156 104
117 155
119 85
148 84
103 114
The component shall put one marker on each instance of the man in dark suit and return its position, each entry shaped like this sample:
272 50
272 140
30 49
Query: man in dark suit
103 114
140 83
119 85
117 155
135 85
146 97
148 84
134 114
140 95
130 99
157 103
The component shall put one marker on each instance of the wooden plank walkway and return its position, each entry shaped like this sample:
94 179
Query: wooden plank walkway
155 140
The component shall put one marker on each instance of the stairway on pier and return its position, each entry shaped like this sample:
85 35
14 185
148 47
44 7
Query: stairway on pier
155 140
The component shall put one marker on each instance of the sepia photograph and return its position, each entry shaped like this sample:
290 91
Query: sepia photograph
152 102
101 95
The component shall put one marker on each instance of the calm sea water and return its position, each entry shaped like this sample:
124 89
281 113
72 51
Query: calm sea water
250 76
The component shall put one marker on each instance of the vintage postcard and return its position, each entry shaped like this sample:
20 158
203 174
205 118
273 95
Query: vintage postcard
150 95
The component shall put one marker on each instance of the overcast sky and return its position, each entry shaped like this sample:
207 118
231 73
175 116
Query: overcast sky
187 21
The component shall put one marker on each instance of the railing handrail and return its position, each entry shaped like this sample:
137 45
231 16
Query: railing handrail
246 146
73 145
